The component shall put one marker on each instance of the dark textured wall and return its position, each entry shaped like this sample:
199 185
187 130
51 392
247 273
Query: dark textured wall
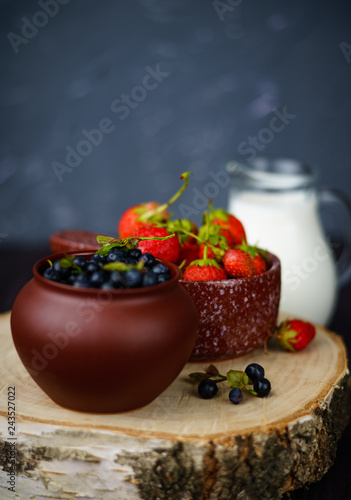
223 68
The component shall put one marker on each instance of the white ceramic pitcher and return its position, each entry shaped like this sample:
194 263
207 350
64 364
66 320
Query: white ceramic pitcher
278 202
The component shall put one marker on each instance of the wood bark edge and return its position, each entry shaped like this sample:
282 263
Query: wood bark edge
258 465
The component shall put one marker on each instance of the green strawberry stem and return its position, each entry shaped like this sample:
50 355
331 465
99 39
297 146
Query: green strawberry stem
216 251
248 389
252 250
205 253
217 213
151 213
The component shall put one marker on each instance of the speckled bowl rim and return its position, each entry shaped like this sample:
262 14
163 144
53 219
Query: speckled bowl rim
275 266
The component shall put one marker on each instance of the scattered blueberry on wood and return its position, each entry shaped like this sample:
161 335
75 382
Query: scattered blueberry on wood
254 371
238 380
236 396
207 389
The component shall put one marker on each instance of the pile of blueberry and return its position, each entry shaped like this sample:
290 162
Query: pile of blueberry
207 388
136 270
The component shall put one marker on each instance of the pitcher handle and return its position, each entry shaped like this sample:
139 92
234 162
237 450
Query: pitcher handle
340 200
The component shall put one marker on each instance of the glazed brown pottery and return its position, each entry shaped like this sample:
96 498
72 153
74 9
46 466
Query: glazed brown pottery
236 315
103 350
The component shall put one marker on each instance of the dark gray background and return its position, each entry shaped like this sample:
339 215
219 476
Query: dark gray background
226 78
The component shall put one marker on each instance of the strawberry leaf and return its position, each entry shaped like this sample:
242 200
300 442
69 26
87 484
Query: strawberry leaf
219 213
205 262
102 240
197 377
212 369
252 250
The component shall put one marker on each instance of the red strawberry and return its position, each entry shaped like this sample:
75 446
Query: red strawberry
234 227
188 253
228 221
210 252
204 270
259 264
295 334
238 263
149 213
258 256
130 221
168 249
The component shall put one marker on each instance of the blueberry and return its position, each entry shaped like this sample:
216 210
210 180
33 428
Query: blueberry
99 259
80 261
56 265
47 273
148 259
254 371
114 257
97 278
262 386
161 278
130 260
207 389
235 396
117 280
107 285
81 280
92 266
71 279
160 269
55 276
149 279
133 278
65 273
117 254
135 253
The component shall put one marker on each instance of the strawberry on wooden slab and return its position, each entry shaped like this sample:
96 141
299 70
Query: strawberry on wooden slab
295 334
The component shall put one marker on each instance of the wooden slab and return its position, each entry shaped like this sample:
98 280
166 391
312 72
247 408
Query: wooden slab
180 446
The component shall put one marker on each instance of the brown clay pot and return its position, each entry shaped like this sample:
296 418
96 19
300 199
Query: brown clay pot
103 350
236 315
73 240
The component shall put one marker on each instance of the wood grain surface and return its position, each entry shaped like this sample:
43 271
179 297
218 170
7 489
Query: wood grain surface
269 445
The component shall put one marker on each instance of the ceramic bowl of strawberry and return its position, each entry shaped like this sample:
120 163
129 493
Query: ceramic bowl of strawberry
236 315
102 350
